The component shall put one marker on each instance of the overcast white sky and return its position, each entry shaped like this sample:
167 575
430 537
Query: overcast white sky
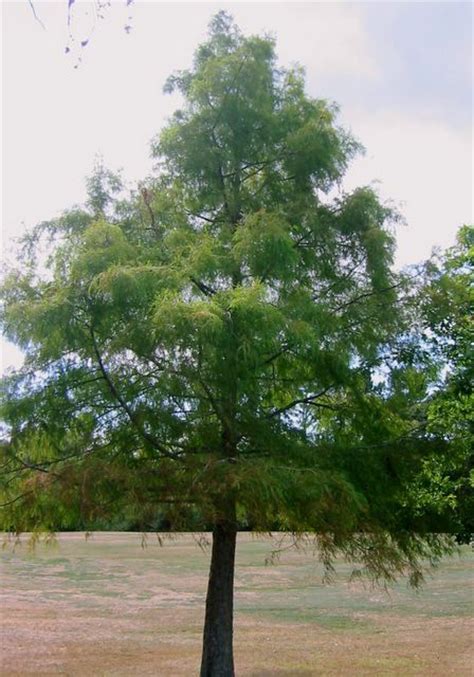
401 71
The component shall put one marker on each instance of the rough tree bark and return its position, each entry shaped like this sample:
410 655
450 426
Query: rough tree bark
217 654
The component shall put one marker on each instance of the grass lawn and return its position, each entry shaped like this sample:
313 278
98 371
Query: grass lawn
107 606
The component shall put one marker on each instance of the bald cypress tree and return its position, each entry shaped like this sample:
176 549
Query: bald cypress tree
219 343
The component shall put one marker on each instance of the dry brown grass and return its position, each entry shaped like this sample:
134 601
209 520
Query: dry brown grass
107 607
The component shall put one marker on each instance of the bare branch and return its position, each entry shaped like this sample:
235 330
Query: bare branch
303 400
33 9
147 202
368 295
206 290
283 350
131 415
17 498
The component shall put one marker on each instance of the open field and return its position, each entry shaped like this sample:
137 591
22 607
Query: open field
109 607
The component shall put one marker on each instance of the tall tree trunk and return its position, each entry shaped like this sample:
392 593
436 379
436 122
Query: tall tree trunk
218 652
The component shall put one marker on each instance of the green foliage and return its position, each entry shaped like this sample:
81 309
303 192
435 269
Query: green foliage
214 342
445 486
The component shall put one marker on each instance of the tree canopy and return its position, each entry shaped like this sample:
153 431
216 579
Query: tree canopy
226 343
